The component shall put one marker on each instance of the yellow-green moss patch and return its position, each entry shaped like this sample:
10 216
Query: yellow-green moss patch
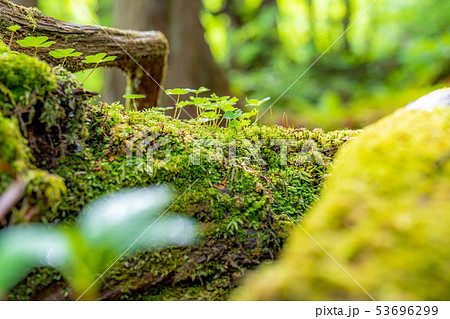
384 216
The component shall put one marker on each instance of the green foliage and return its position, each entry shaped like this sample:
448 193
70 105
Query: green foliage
20 74
64 54
232 200
383 214
223 195
28 92
97 59
134 97
215 109
35 42
390 52
13 29
107 228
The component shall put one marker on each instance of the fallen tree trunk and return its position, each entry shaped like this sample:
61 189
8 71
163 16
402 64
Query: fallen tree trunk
142 56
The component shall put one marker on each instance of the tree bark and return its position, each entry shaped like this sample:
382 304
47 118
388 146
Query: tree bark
26 3
142 56
191 63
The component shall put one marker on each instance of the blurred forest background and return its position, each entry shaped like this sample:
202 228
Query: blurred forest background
396 52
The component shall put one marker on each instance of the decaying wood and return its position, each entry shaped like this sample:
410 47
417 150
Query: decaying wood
10 197
142 56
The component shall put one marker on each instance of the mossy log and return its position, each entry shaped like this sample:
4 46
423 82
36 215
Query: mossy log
141 56
70 153
384 216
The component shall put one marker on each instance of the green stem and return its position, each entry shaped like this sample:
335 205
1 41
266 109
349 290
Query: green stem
196 106
35 52
89 74
220 121
10 40
176 107
271 117
63 61
134 103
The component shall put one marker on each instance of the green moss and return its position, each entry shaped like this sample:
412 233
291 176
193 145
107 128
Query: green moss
23 79
47 102
234 201
3 47
384 216
15 155
240 204
25 83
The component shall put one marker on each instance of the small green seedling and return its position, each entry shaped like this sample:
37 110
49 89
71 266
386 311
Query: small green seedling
232 116
97 59
257 103
35 42
13 29
64 54
133 97
178 92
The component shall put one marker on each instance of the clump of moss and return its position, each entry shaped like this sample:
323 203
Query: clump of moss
15 155
24 81
384 216
43 191
22 74
47 102
233 200
240 203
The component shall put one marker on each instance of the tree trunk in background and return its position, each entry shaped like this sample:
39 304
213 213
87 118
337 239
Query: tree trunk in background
345 24
26 3
190 61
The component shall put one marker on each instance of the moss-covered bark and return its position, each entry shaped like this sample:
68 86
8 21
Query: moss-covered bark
384 217
242 204
142 56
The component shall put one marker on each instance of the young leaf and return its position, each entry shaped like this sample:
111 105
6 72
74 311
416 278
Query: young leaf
209 115
64 53
94 58
229 115
35 42
257 103
228 107
184 103
200 90
134 96
250 114
200 101
237 114
109 59
14 28
98 58
232 115
178 91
